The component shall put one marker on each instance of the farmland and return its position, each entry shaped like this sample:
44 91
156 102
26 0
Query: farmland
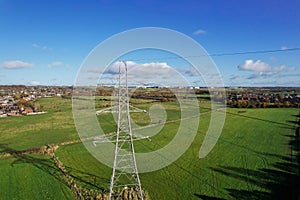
256 157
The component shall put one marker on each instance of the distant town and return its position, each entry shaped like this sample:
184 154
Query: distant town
263 98
18 100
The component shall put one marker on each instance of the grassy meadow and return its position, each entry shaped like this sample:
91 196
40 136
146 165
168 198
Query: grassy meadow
255 157
31 177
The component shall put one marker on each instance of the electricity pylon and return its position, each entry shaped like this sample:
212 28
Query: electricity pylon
125 173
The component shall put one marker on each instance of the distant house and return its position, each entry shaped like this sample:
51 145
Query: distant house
27 110
3 115
13 113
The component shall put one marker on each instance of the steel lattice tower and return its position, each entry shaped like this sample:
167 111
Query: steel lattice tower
124 166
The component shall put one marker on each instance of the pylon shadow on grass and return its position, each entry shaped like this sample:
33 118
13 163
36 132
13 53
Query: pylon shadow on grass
279 180
48 166
205 197
282 182
292 122
42 164
90 180
259 119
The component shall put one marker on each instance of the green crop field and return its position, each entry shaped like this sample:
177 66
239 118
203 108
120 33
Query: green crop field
255 157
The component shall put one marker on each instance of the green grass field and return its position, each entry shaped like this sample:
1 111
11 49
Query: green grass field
252 159
25 132
31 177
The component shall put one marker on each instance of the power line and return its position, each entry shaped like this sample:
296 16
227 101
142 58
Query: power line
222 54
255 52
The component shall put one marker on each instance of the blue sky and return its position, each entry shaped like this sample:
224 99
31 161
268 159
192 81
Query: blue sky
45 42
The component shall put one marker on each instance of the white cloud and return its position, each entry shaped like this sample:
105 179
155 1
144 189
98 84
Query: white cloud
199 32
152 73
257 66
233 77
35 83
284 48
59 64
16 64
96 70
55 64
93 77
191 71
144 69
37 46
260 69
141 73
